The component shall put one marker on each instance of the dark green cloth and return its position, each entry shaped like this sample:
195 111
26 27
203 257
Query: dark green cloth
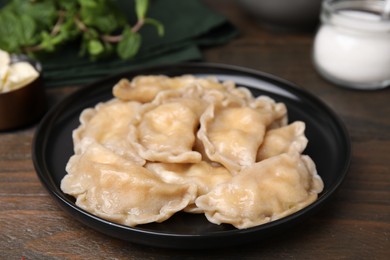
189 26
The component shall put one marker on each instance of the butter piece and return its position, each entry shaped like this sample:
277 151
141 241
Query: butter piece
19 75
4 67
16 75
4 58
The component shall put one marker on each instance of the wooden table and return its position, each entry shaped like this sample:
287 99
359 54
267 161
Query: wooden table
354 225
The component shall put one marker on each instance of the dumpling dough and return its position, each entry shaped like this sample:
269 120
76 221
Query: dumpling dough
166 133
145 88
274 114
231 135
263 192
203 175
285 139
108 124
116 189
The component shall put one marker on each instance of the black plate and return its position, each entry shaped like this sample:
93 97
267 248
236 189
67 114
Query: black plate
329 147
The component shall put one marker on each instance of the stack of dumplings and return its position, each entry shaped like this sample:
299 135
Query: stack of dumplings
169 144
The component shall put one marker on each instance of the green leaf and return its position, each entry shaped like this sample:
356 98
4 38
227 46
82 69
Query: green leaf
9 25
103 16
88 3
69 5
28 30
159 26
69 28
141 8
105 24
43 12
47 42
92 34
95 47
17 31
129 45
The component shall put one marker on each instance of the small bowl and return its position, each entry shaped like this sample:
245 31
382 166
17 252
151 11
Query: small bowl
25 105
301 15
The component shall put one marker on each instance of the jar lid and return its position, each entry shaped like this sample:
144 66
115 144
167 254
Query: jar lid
364 15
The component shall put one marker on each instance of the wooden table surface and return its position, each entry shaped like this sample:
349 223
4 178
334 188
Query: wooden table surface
355 224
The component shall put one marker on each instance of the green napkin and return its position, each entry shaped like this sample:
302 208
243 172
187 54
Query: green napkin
189 25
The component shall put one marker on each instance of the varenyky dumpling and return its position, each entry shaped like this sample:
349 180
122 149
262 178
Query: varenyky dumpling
204 175
285 139
231 135
116 189
145 88
193 96
108 124
166 133
263 192
231 132
274 114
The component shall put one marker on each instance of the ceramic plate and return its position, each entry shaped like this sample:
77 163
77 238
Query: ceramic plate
329 147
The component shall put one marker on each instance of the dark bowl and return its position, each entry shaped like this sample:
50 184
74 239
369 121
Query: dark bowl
284 14
25 105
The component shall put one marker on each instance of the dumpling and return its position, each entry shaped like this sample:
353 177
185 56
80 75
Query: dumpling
166 133
116 189
204 175
192 96
145 88
232 135
240 92
285 139
274 114
263 192
108 124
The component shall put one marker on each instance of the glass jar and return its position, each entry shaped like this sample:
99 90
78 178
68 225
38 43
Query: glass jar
352 45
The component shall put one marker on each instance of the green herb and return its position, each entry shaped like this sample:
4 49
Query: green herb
34 26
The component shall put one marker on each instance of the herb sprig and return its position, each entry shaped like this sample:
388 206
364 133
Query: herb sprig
31 26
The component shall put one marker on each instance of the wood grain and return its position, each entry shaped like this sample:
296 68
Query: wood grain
355 224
